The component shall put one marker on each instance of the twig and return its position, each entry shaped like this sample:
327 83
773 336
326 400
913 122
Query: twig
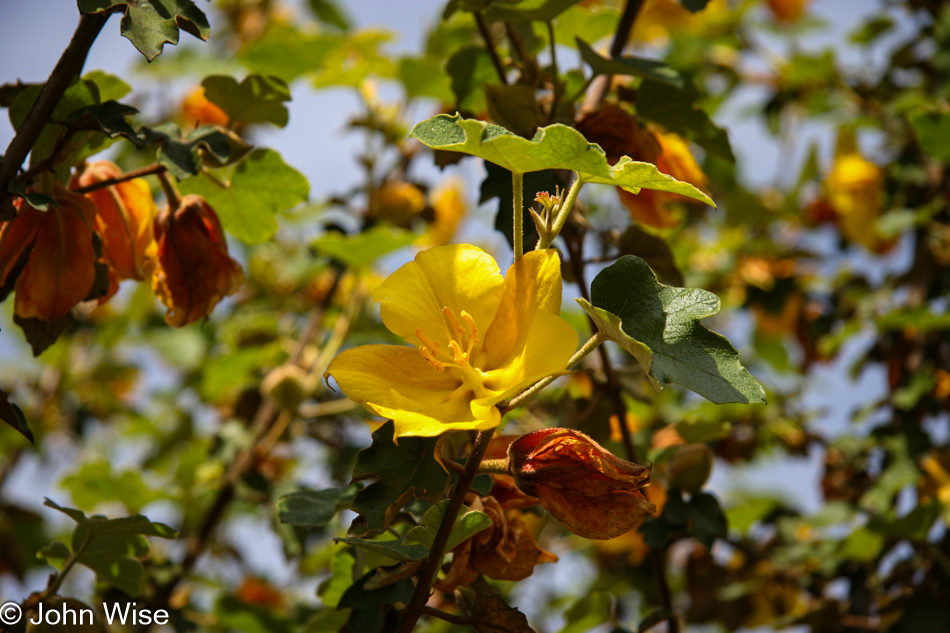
490 44
172 197
148 170
556 98
460 620
420 596
601 83
69 65
57 581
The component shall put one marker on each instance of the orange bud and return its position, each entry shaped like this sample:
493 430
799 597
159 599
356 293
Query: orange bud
59 269
124 216
197 110
590 491
787 10
193 271
259 592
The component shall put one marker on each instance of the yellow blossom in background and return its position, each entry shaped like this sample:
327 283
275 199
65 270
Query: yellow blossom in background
448 205
398 202
854 190
478 339
658 19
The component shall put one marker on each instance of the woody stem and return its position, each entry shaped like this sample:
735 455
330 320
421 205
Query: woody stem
564 210
588 347
171 191
517 210
433 562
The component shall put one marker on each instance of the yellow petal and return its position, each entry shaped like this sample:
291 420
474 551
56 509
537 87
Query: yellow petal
457 276
397 383
533 283
550 343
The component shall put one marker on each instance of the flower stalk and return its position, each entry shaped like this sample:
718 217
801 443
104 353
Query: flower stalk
517 209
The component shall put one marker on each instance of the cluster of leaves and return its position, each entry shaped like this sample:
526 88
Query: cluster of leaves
840 269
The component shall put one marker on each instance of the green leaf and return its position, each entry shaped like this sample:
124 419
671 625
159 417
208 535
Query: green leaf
636 66
424 77
660 326
395 549
235 614
467 524
362 249
933 133
285 52
514 107
108 117
100 526
373 609
331 13
588 613
111 88
707 520
149 24
341 577
703 430
257 99
314 508
114 559
410 469
634 175
78 94
676 110
181 155
258 188
355 59
553 147
470 69
95 483
536 10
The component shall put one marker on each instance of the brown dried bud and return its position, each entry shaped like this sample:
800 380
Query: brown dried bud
589 490
193 270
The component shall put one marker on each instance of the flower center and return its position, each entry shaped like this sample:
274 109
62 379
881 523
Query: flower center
463 341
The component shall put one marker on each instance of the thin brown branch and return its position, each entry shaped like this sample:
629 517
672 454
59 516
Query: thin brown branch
575 247
69 65
601 83
420 596
490 45
460 620
265 419
148 170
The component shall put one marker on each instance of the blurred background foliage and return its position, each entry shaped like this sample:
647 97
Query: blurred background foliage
833 269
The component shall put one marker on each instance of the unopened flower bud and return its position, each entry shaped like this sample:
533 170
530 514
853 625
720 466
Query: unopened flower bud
287 386
589 490
689 467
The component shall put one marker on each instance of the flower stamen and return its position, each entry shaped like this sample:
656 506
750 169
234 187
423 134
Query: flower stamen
432 345
473 331
426 354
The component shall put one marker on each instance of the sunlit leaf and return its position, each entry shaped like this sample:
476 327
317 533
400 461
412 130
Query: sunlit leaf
660 326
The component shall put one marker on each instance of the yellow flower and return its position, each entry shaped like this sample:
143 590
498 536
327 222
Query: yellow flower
479 339
855 189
